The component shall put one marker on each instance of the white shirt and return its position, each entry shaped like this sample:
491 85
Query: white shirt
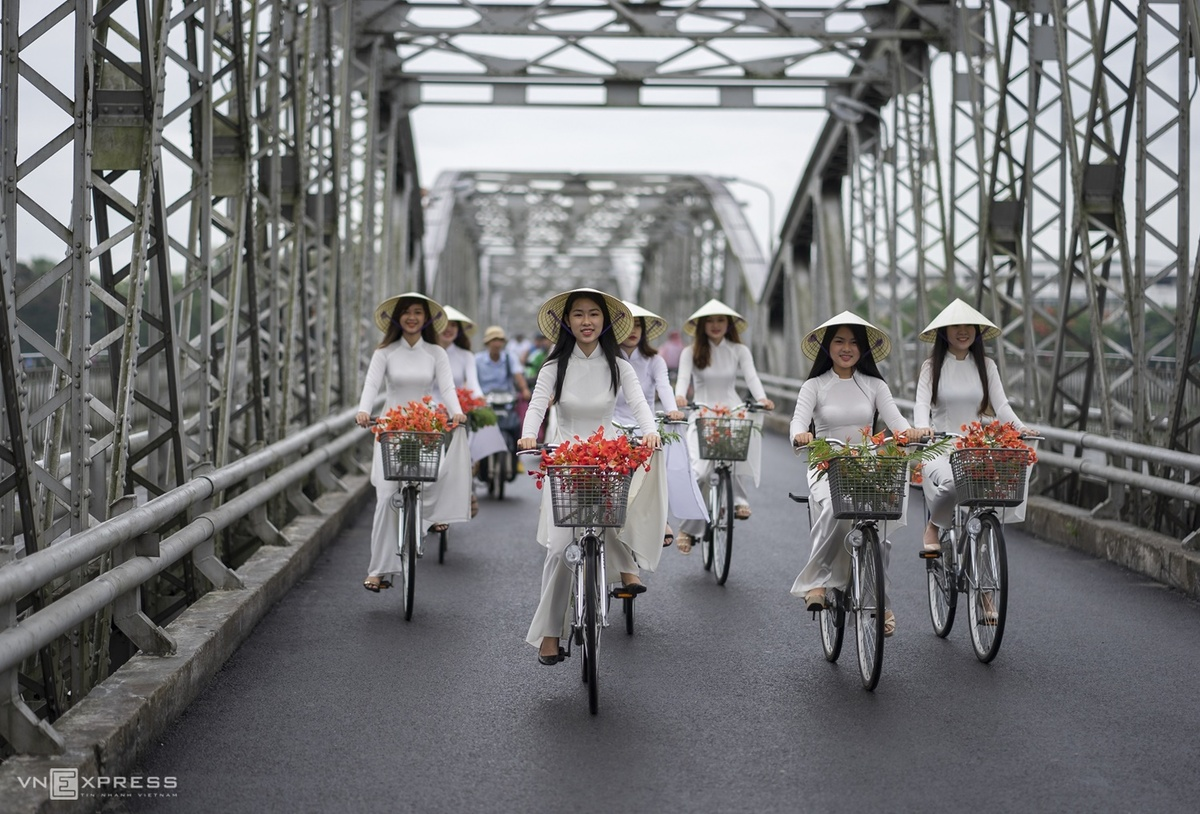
410 372
462 368
717 384
959 394
652 376
587 397
841 408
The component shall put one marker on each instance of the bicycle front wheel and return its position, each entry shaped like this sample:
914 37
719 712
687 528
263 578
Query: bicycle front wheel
868 607
592 597
722 526
987 588
942 587
833 624
409 520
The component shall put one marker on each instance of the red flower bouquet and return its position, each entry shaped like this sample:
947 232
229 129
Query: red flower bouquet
867 479
589 480
411 437
416 416
478 413
990 464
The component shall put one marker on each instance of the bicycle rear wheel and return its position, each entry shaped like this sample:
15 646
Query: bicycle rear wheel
833 624
987 588
722 527
869 608
409 521
942 587
442 546
628 615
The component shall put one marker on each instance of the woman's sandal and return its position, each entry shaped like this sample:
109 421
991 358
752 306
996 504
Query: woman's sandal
438 528
889 623
474 505
741 512
372 584
683 541
668 536
814 600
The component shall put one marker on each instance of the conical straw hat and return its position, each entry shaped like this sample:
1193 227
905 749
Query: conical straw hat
454 315
551 317
881 346
959 313
383 311
656 326
715 308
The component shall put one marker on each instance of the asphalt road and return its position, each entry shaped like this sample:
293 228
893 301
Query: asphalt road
720 702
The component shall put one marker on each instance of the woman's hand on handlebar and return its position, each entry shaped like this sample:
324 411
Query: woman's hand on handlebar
917 433
363 419
676 415
527 443
767 404
459 419
801 439
652 440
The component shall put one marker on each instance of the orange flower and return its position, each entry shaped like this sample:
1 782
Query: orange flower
416 416
615 454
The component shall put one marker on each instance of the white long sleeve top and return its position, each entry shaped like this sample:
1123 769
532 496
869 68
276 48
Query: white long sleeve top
840 408
462 368
717 384
652 376
587 397
409 373
959 394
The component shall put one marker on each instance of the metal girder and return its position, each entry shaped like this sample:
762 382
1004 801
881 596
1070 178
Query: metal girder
689 54
530 235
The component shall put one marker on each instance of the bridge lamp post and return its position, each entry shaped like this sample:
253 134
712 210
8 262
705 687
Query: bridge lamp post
733 179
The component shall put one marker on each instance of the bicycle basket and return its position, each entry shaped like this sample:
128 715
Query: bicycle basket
588 496
411 456
989 476
867 488
724 439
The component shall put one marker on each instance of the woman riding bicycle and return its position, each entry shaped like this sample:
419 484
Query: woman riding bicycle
842 394
456 341
958 384
582 376
711 366
651 371
409 363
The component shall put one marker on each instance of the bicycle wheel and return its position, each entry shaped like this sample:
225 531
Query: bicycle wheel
722 528
868 607
942 587
629 615
592 597
987 588
833 624
408 548
442 547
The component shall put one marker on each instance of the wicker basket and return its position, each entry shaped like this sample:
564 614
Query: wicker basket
588 496
724 439
986 476
411 456
868 488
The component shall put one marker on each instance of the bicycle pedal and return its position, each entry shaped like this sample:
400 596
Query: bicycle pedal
929 555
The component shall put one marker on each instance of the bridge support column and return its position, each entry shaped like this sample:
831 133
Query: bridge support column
18 724
204 555
127 609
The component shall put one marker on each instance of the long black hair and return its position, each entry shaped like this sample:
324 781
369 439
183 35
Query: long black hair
866 358
644 347
394 330
461 339
566 342
941 346
702 348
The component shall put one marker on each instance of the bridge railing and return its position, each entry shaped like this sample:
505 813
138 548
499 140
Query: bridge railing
128 539
1120 465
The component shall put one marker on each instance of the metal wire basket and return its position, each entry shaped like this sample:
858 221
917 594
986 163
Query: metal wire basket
724 439
868 488
987 476
588 496
411 456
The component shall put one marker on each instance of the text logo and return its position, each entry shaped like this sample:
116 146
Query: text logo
64 784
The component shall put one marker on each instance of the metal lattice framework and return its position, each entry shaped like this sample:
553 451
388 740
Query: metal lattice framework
230 185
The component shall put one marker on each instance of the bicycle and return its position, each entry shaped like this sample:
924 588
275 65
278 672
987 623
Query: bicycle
587 499
413 458
500 466
724 440
974 557
864 490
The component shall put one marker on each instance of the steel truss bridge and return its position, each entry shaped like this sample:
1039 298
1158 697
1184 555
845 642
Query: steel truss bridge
229 186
